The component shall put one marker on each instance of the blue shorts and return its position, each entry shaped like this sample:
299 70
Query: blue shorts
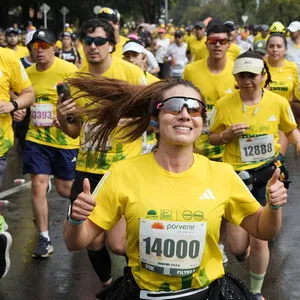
42 159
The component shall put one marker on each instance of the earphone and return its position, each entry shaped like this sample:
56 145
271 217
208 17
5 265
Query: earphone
110 48
154 123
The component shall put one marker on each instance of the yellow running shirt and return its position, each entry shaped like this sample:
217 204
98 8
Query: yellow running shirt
22 51
44 83
212 87
12 77
116 150
285 80
173 219
194 44
119 47
259 144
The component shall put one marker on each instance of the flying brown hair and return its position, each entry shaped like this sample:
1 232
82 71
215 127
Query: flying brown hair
111 101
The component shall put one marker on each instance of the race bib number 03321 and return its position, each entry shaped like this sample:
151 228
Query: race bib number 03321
172 248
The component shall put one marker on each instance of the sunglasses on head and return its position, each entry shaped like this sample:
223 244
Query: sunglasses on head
174 106
214 41
98 41
243 75
43 45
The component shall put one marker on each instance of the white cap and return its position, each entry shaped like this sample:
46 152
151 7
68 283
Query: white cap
133 46
294 26
29 36
67 25
248 64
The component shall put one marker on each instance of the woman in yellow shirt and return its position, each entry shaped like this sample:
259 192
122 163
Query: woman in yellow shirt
284 74
173 200
247 122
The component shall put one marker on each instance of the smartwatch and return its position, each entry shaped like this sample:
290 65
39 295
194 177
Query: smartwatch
15 104
70 220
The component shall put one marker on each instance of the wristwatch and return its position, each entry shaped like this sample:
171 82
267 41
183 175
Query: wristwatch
70 220
15 104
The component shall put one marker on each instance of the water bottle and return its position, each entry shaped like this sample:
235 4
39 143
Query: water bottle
246 177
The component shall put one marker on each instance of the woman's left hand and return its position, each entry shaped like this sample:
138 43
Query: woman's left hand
277 193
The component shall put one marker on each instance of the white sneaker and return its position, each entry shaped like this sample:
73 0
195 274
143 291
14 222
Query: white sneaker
224 256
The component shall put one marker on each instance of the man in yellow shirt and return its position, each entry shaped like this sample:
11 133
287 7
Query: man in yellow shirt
12 77
47 149
98 39
213 76
196 41
12 39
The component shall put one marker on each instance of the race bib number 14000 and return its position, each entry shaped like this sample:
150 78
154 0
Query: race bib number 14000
172 248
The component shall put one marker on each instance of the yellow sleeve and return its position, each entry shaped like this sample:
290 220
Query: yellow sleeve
216 120
108 209
241 203
287 119
19 77
296 83
186 73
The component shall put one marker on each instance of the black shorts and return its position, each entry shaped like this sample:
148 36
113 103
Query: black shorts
77 186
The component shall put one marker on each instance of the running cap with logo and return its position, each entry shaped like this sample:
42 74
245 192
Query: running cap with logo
294 26
66 34
277 27
29 36
248 64
44 35
109 14
11 30
260 46
133 46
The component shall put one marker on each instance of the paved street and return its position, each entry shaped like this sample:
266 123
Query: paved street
68 275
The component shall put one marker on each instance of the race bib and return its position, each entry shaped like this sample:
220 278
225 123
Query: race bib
171 248
42 115
87 142
254 149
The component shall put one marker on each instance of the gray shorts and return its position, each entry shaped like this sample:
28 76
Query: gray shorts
3 164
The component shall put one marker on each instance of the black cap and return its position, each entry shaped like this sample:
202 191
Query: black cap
200 25
11 30
178 33
44 35
66 34
230 25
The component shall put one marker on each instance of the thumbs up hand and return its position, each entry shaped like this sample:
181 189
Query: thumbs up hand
276 192
84 204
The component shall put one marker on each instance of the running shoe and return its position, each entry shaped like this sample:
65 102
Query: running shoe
259 297
43 249
3 224
224 256
5 243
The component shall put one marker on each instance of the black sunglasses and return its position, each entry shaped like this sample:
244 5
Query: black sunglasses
98 41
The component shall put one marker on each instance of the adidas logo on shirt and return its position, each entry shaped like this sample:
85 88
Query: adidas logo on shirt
228 91
272 118
208 195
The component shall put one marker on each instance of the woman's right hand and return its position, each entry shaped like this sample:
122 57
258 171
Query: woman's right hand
65 108
84 204
235 131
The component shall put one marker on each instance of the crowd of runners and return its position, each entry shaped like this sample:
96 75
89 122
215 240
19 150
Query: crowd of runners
170 104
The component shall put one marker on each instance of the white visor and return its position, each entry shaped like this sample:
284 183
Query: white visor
248 64
135 47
